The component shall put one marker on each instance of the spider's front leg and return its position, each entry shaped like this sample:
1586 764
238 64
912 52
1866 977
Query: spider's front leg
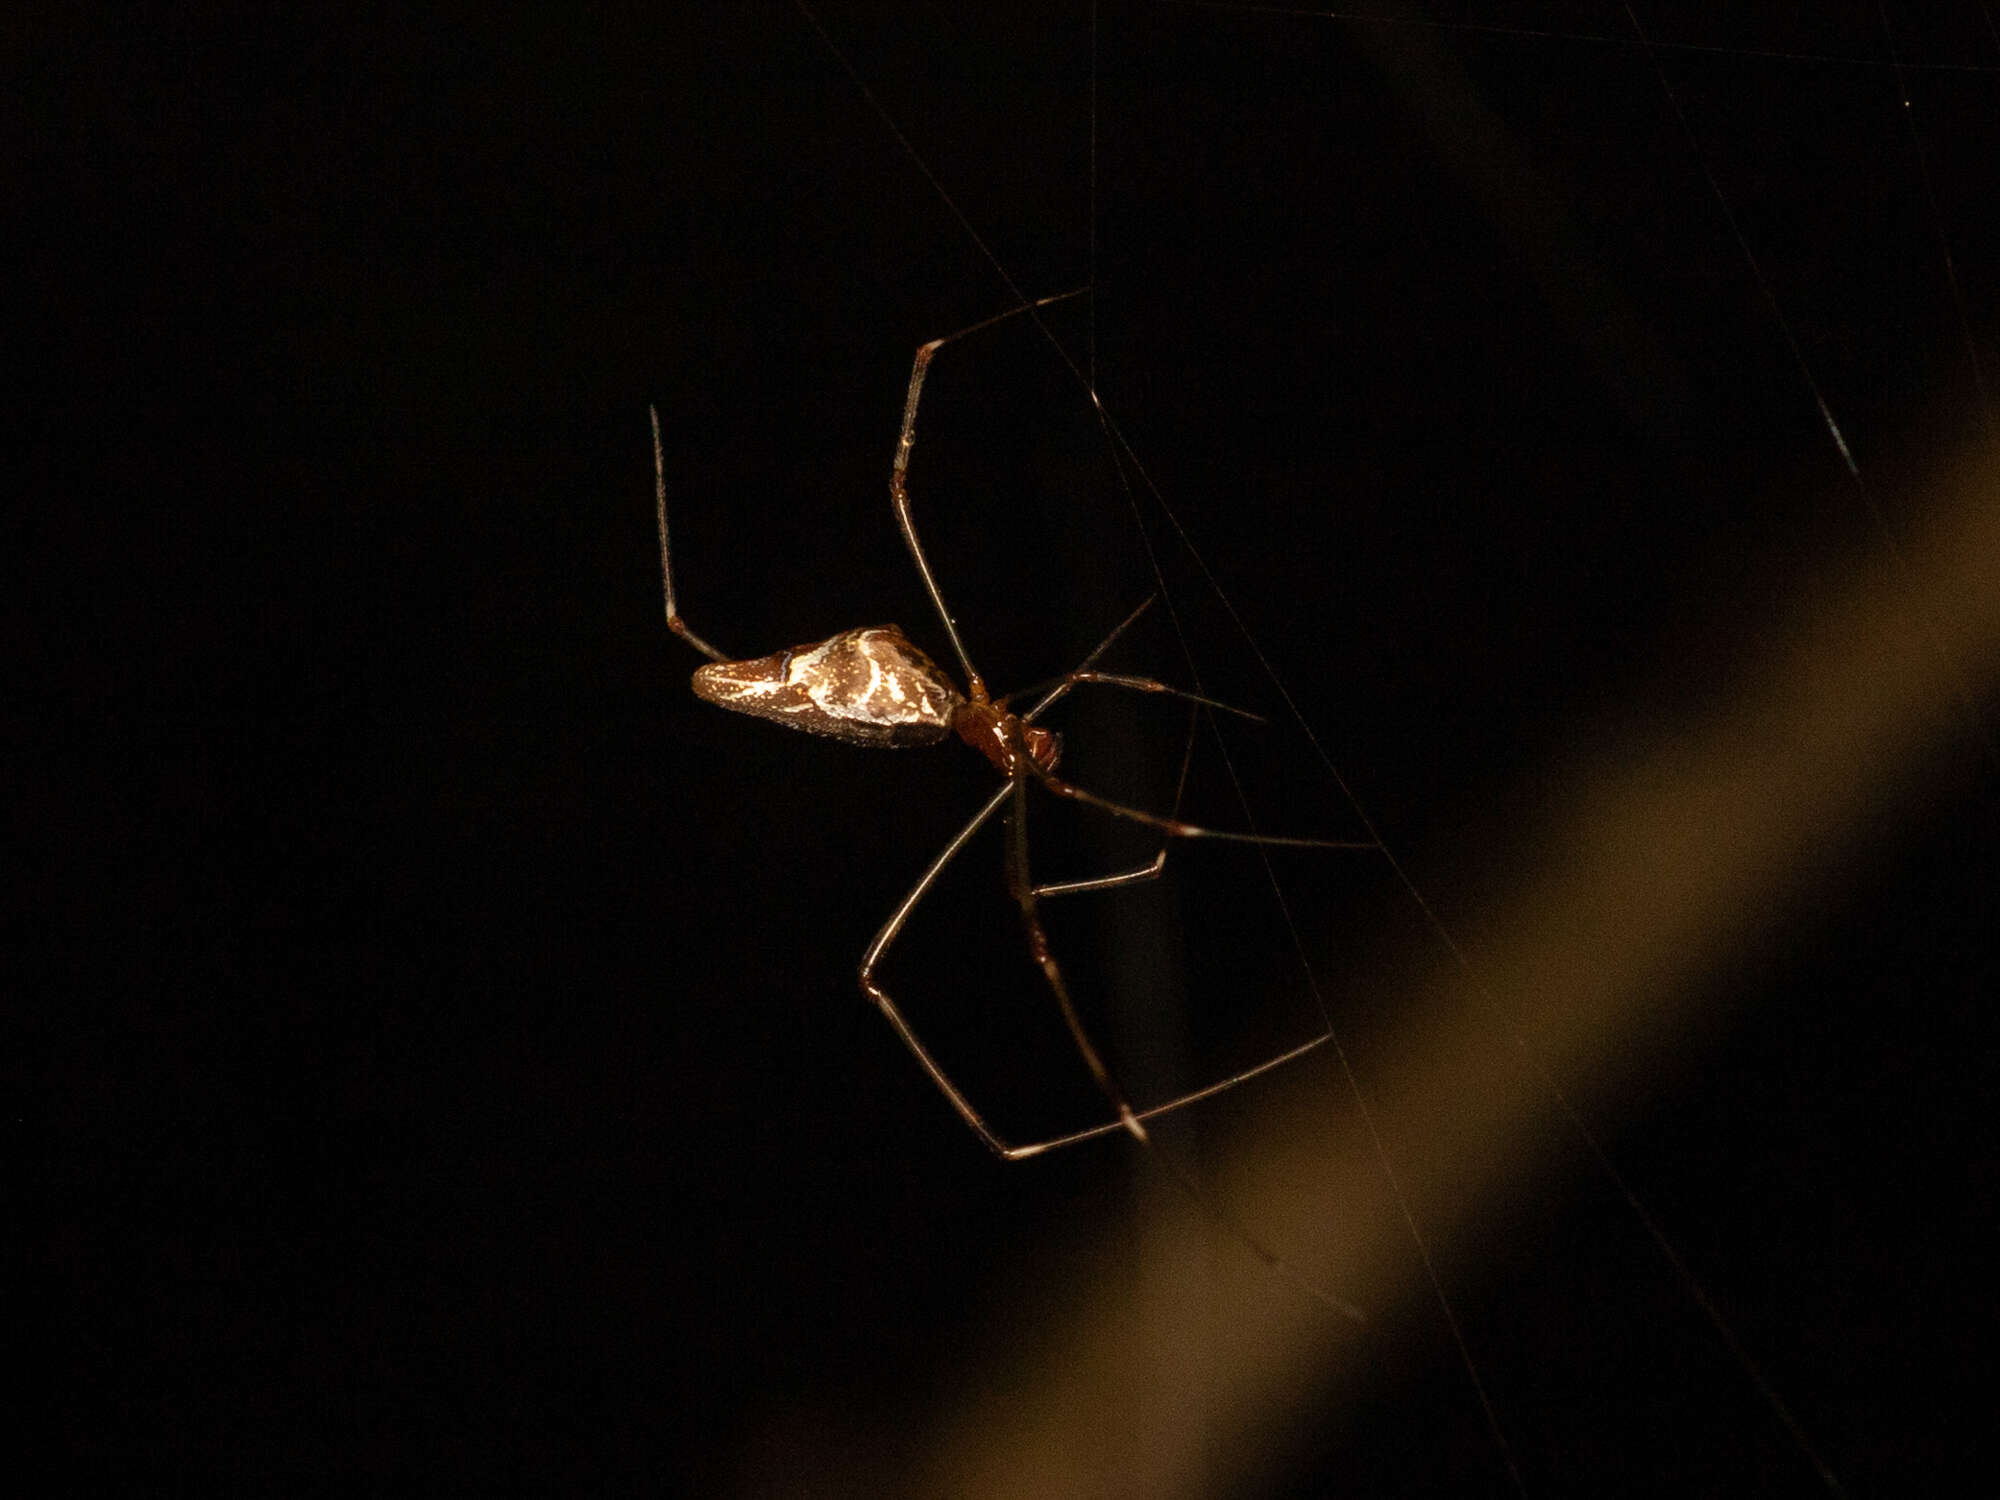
1044 771
899 472
674 621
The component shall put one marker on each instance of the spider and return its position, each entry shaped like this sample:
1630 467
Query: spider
873 686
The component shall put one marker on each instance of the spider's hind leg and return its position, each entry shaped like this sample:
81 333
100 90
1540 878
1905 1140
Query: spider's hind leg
1129 1120
899 472
1023 890
1152 869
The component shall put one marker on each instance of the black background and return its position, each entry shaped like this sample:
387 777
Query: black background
433 1053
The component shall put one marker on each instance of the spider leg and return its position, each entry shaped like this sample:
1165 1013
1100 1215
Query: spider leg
1130 1120
1038 941
1085 677
899 473
674 621
874 991
1174 827
1059 690
1026 893
1023 890
1152 868
1181 1101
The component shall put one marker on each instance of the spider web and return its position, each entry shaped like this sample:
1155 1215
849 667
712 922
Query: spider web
435 1045
1511 376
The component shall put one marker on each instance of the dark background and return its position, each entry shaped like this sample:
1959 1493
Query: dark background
432 1051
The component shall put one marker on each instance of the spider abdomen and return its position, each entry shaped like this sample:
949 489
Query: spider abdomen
869 687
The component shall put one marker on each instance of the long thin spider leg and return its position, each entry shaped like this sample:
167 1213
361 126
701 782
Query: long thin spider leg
1083 677
1062 688
1174 826
899 472
893 928
873 957
1152 868
1208 1091
674 621
1181 1101
1129 1120
1023 890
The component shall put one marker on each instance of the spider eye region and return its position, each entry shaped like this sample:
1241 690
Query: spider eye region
868 687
